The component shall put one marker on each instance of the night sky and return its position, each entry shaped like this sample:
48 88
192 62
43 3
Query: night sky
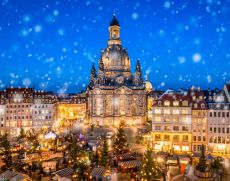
51 44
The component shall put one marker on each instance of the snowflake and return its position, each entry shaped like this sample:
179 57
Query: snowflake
209 78
196 57
135 16
55 12
181 59
37 28
167 4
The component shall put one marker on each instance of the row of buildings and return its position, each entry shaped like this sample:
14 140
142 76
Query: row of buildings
27 108
184 120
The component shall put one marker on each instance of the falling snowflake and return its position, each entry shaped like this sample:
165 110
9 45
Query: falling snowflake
37 28
135 16
167 4
196 57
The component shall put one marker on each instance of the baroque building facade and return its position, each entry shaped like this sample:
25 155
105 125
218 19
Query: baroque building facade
25 108
114 93
199 119
218 119
172 122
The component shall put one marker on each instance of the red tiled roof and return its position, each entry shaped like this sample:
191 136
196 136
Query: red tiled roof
193 96
199 99
172 97
19 90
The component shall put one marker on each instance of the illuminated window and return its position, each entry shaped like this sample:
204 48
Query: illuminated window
175 119
211 140
157 119
157 111
166 128
185 103
166 119
176 111
228 140
204 138
184 111
219 139
166 137
175 128
167 111
158 147
166 103
185 137
176 147
176 138
185 148
186 119
98 106
184 128
175 103
158 137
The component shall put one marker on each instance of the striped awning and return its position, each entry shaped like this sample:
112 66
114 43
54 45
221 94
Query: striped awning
9 175
130 164
66 172
124 156
98 171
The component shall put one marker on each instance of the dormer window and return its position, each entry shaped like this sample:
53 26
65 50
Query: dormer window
185 103
175 103
195 105
202 106
166 103
159 103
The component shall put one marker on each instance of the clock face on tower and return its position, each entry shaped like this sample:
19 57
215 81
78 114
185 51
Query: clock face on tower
120 80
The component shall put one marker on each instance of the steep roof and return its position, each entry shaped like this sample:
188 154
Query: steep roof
114 22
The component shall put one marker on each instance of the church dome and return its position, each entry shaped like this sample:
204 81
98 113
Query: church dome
148 86
115 58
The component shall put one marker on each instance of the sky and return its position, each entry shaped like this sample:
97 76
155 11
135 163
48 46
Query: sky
51 44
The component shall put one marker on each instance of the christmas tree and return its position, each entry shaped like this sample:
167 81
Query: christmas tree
104 159
22 134
75 152
80 160
149 169
201 166
5 149
120 142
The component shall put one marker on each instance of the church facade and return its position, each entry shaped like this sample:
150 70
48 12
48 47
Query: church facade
116 94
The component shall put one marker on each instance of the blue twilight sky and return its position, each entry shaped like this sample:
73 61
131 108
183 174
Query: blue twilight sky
51 44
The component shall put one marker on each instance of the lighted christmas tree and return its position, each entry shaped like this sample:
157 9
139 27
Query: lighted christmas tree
22 134
104 159
149 169
120 142
201 166
75 152
5 149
